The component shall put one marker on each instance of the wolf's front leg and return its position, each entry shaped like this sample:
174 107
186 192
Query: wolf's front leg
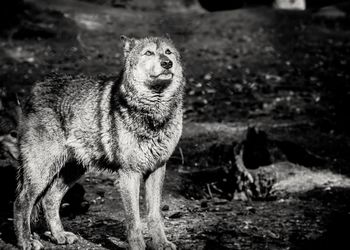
129 185
154 185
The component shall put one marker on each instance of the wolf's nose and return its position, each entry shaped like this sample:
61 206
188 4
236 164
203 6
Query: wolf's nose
166 64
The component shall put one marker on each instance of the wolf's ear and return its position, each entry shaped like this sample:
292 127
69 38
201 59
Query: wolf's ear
128 44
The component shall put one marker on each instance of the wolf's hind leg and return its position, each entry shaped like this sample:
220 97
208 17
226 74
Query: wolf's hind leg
68 175
23 207
154 185
35 175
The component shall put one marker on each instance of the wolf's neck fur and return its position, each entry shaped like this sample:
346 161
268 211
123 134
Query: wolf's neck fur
153 111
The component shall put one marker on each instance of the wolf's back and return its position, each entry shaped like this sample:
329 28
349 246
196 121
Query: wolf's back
62 95
71 108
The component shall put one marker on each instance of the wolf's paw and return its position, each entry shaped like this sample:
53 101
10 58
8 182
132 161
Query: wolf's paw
36 245
137 243
165 245
32 245
63 238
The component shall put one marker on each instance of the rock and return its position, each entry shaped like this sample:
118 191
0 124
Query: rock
176 215
290 4
331 12
165 208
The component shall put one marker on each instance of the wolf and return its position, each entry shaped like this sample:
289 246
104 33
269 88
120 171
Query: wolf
130 125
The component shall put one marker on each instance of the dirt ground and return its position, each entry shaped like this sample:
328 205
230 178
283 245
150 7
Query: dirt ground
282 71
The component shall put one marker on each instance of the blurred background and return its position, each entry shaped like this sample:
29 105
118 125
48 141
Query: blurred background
267 95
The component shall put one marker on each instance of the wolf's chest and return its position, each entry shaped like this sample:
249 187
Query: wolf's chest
149 153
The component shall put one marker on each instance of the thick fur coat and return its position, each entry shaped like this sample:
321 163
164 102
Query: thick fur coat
130 125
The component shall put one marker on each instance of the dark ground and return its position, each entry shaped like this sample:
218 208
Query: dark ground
285 72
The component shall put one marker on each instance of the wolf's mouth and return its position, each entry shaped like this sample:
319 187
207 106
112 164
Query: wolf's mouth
167 75
161 81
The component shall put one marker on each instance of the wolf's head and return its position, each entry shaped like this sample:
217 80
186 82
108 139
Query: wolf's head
152 65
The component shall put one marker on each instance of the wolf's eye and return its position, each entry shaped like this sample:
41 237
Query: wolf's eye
167 51
13 134
149 53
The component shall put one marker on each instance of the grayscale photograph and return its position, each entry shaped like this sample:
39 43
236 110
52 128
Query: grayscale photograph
174 124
